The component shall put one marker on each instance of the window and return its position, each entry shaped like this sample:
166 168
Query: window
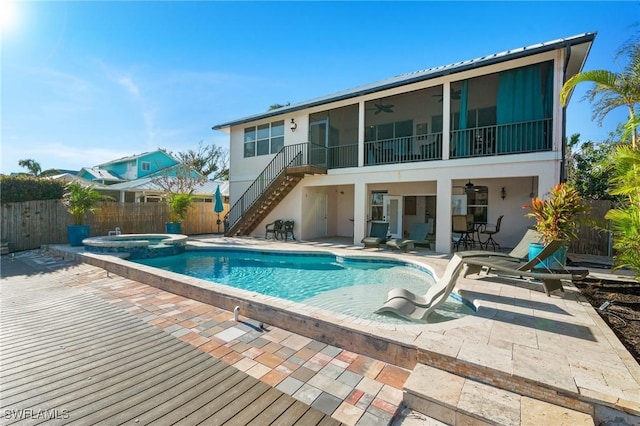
377 205
264 139
146 166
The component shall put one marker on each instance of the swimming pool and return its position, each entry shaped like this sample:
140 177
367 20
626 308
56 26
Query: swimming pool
354 286
137 246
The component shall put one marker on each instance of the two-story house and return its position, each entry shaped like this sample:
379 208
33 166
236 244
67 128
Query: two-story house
480 136
133 178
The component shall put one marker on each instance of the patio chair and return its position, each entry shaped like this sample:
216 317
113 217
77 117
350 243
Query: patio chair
418 235
377 234
534 268
490 232
462 232
287 229
273 228
407 305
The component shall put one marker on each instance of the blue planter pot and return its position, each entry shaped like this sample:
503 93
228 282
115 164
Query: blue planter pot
556 261
77 233
173 228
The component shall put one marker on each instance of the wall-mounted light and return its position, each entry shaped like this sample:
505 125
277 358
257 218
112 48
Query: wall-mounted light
503 193
293 125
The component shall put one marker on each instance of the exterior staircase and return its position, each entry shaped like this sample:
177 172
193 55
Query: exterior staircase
290 165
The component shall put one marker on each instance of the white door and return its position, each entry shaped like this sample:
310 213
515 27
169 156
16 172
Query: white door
392 213
321 215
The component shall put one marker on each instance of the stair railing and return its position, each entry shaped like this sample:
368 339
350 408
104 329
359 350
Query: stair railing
301 154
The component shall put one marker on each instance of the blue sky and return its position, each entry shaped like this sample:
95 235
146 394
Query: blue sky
83 83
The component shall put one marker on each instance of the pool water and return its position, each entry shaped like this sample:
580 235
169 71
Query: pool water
353 286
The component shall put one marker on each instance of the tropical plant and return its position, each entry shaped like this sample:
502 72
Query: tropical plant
179 205
558 216
626 218
612 90
80 199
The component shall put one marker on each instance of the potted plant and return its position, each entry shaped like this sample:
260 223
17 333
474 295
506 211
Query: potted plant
179 204
79 200
557 218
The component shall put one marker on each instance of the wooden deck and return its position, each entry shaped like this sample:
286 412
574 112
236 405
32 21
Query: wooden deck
72 358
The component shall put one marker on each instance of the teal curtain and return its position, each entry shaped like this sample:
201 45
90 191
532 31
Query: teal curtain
520 99
462 145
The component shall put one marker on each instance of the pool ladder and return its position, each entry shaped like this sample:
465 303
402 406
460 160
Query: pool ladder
115 232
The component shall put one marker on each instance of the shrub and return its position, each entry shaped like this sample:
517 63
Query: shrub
15 189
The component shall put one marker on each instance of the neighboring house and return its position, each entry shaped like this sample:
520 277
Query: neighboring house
132 179
146 190
130 168
480 136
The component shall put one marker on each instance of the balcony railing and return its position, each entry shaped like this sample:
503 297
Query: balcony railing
403 150
514 138
342 156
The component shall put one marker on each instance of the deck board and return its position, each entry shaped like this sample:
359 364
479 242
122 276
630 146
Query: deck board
66 349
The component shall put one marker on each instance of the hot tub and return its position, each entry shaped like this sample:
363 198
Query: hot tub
137 246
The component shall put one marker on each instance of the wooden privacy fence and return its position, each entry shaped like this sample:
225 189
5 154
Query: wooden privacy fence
29 225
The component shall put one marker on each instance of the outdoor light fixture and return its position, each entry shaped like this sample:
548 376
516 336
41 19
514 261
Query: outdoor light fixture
503 193
293 125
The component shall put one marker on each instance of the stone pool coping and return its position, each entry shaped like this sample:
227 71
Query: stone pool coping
134 240
555 349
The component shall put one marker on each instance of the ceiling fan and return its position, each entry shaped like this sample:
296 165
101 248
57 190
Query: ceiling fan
383 108
455 95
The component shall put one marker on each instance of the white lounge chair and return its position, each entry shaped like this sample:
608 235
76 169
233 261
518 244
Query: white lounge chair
408 305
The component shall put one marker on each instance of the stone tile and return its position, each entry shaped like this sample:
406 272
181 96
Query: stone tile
244 364
273 377
240 346
331 370
366 366
497 405
232 357
393 376
252 352
354 396
382 416
330 385
305 354
365 401
535 413
303 373
370 386
289 385
385 406
391 395
549 368
269 360
284 352
326 403
348 414
258 370
347 356
272 347
447 392
349 378
307 393
331 351
316 346
229 334
296 342
220 351
486 356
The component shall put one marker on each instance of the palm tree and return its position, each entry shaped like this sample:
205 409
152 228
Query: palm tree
612 90
32 165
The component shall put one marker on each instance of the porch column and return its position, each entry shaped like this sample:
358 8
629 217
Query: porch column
546 182
359 212
361 134
443 209
122 196
446 120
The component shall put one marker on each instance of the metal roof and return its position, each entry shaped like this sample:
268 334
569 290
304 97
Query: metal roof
422 75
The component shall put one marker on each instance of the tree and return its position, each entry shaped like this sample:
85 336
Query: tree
208 160
626 218
32 165
612 90
587 167
278 106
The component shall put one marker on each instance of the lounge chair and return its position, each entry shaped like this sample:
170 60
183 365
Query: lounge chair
377 234
406 304
519 252
418 235
534 268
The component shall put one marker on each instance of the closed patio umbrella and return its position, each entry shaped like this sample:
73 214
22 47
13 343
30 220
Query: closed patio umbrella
218 206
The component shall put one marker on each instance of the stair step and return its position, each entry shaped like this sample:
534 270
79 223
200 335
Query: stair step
453 400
